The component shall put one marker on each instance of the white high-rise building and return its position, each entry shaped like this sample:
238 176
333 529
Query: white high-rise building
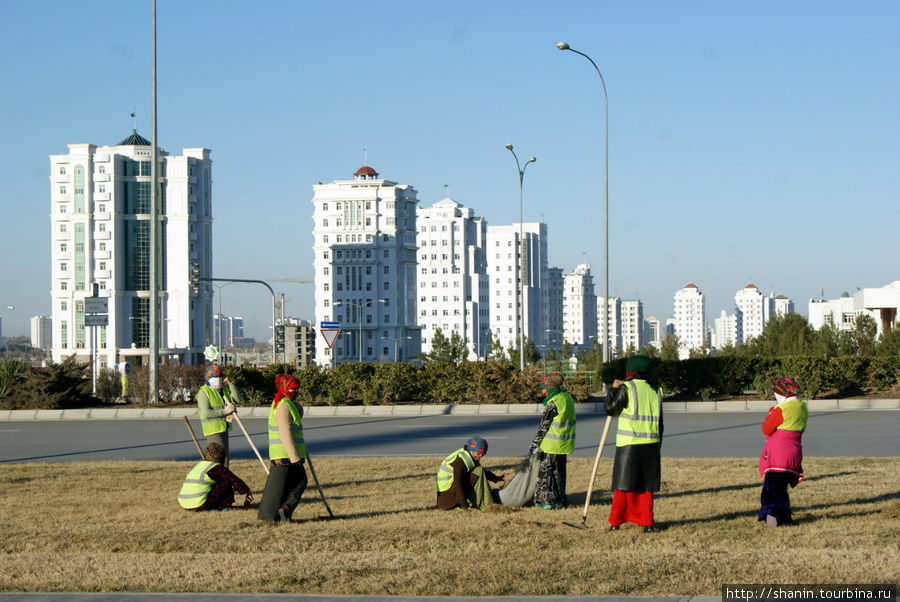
632 325
690 319
41 332
365 268
725 331
579 307
613 311
751 311
100 227
555 284
453 282
504 274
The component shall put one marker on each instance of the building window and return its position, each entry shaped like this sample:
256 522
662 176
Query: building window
101 227
62 190
64 306
63 267
102 208
62 247
102 169
324 223
326 270
324 206
102 188
62 208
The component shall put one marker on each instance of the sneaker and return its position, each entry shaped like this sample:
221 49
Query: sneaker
649 529
283 515
548 506
614 527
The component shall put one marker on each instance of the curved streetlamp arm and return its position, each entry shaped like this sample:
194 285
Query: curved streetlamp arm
265 284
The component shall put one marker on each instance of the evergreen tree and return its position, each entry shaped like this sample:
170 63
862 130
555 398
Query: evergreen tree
668 348
864 334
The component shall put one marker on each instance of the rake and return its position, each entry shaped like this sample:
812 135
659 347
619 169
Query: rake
587 501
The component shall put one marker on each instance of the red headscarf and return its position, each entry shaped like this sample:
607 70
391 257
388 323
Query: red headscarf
285 386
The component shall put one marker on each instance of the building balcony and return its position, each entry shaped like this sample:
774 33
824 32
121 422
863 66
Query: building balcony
101 177
103 254
62 178
102 216
101 196
102 274
63 254
101 235
101 158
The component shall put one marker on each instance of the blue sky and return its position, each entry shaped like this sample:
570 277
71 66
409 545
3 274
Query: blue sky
748 141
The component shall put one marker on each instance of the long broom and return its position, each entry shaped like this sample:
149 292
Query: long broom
250 441
587 501
187 423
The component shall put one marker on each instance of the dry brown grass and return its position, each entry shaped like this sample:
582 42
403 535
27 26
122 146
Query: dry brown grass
116 526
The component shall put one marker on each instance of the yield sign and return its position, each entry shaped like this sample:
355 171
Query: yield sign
330 332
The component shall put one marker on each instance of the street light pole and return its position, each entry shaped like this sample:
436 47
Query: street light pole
520 290
359 307
605 317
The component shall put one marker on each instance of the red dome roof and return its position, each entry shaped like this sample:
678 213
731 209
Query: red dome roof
365 171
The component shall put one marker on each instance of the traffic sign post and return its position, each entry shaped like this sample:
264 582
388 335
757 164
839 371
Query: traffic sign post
330 332
95 314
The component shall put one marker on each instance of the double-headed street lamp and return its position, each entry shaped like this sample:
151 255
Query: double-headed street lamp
520 290
396 343
359 307
605 318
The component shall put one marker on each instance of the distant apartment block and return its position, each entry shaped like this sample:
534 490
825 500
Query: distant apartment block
504 275
579 307
632 325
228 331
100 235
752 312
555 331
613 312
41 332
654 332
453 281
725 331
365 265
690 319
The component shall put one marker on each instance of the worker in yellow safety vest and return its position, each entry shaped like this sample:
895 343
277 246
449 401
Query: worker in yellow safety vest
215 408
287 478
636 468
462 482
210 486
553 442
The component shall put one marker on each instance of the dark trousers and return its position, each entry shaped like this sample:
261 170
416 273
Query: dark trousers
284 486
774 498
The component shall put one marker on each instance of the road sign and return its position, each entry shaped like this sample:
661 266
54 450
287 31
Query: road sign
211 353
96 320
96 305
330 332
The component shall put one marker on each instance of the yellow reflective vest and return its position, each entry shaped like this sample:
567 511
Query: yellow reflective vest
277 450
211 426
560 437
196 486
445 472
639 421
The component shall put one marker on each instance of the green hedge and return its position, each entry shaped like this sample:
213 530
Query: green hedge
68 385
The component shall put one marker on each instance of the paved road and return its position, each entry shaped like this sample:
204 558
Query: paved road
717 434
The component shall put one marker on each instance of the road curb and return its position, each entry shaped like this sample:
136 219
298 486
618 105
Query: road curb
412 410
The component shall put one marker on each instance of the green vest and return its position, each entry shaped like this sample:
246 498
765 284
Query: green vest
639 421
196 486
794 414
445 472
560 437
211 426
277 450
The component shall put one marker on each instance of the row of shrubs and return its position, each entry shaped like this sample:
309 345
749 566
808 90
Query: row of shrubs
68 385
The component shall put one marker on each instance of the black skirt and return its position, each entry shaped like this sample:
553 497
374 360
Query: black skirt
636 468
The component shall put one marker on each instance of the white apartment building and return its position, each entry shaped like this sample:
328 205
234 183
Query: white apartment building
579 307
632 325
555 285
41 332
725 331
453 282
690 319
613 312
365 268
504 271
752 312
100 226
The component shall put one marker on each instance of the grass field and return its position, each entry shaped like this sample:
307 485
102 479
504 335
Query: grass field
116 526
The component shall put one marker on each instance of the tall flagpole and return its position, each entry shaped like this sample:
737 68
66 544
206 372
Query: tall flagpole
153 355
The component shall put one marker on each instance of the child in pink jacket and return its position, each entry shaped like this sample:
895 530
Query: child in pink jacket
780 463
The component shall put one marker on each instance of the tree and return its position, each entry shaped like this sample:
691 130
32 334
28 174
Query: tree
496 352
668 348
443 350
532 354
864 334
789 334
889 342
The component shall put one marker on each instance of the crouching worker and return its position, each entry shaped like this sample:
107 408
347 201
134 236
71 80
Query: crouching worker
287 477
462 482
210 486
